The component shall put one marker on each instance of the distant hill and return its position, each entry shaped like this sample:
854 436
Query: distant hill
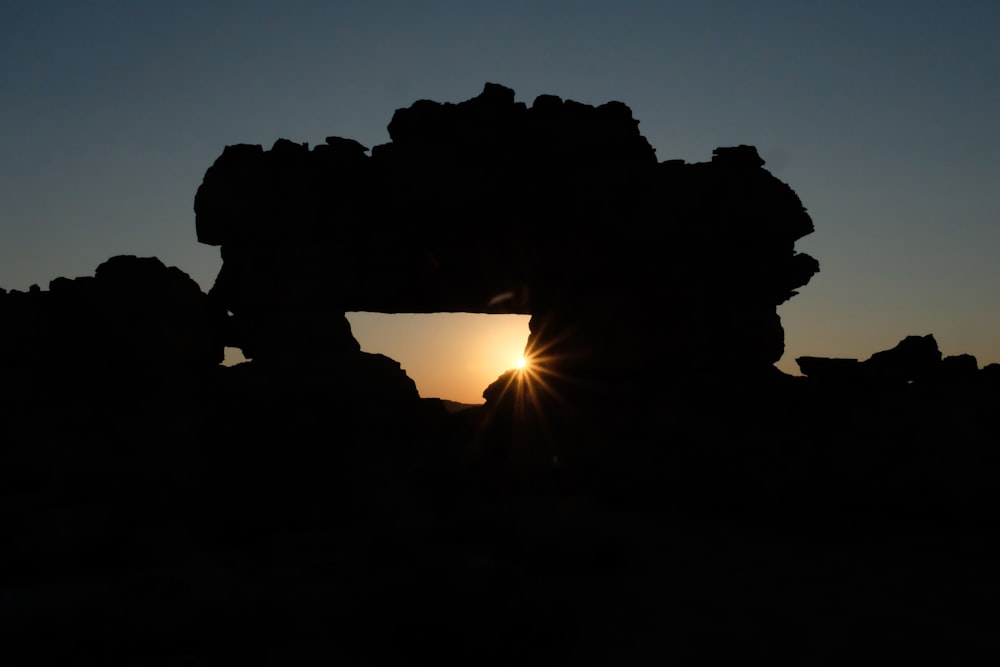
454 406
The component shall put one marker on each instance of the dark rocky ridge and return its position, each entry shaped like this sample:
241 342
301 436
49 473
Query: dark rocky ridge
134 312
916 359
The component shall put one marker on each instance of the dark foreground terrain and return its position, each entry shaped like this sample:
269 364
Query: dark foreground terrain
173 526
649 491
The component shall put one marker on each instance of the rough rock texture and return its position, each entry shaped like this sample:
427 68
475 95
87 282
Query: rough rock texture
629 267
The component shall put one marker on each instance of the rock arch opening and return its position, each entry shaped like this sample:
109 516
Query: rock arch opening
452 356
633 270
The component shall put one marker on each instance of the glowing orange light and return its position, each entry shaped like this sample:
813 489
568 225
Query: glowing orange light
533 378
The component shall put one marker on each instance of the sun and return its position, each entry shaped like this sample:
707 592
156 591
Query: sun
521 363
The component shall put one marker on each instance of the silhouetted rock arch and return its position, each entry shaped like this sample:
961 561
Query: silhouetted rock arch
631 268
159 507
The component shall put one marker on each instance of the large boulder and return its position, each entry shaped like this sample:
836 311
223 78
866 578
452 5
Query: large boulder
912 359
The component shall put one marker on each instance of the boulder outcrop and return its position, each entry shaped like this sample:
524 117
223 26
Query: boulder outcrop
134 313
915 359
631 268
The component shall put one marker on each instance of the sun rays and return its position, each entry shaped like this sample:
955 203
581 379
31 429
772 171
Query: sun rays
537 379
540 406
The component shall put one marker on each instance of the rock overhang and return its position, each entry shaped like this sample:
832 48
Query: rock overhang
556 205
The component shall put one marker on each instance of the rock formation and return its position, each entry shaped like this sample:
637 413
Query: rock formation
647 485
915 359
632 270
133 314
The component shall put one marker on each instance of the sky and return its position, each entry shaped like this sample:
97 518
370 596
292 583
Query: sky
881 115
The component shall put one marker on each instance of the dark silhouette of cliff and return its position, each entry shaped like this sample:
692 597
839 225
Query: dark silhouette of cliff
559 210
650 490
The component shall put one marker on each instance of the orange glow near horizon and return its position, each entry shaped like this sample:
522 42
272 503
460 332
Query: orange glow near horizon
453 356
537 379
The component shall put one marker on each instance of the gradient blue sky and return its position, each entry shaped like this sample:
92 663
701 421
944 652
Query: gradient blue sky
881 115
